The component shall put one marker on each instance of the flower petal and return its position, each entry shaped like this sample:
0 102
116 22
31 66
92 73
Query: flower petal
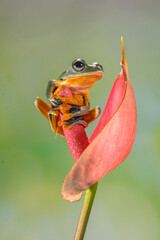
112 140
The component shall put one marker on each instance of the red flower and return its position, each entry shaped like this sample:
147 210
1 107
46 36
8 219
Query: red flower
109 144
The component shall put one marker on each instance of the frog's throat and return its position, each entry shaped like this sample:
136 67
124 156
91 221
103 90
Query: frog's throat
81 83
98 73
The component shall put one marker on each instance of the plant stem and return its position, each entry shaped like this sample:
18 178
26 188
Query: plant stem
85 212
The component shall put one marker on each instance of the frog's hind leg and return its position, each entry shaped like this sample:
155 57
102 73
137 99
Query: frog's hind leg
84 119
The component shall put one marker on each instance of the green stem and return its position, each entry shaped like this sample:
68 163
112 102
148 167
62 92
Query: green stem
85 212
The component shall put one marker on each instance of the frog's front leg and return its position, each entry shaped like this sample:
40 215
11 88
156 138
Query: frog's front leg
61 93
84 106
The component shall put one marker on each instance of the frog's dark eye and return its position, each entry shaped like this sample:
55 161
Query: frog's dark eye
78 65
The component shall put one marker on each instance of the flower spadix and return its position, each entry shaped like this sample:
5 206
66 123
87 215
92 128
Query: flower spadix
111 141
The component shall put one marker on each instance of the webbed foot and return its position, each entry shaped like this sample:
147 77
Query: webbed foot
53 117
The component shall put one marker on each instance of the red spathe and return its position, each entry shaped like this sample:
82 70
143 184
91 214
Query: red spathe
111 141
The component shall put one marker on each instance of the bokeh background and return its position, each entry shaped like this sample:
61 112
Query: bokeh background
38 41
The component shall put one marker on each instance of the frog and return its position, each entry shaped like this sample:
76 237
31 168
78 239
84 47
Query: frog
68 97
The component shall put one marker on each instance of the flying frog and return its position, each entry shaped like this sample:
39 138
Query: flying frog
75 108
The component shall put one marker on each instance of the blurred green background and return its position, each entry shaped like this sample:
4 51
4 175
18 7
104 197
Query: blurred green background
38 41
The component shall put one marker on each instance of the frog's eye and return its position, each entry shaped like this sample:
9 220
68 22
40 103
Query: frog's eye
78 65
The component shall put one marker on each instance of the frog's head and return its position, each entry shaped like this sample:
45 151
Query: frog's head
81 76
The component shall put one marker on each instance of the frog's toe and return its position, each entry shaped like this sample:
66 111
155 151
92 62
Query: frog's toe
79 111
55 103
74 109
73 121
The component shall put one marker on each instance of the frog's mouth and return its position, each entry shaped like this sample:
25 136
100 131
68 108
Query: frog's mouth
79 75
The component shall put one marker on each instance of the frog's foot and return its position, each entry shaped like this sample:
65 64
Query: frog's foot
71 122
77 110
54 119
92 115
55 103
42 107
